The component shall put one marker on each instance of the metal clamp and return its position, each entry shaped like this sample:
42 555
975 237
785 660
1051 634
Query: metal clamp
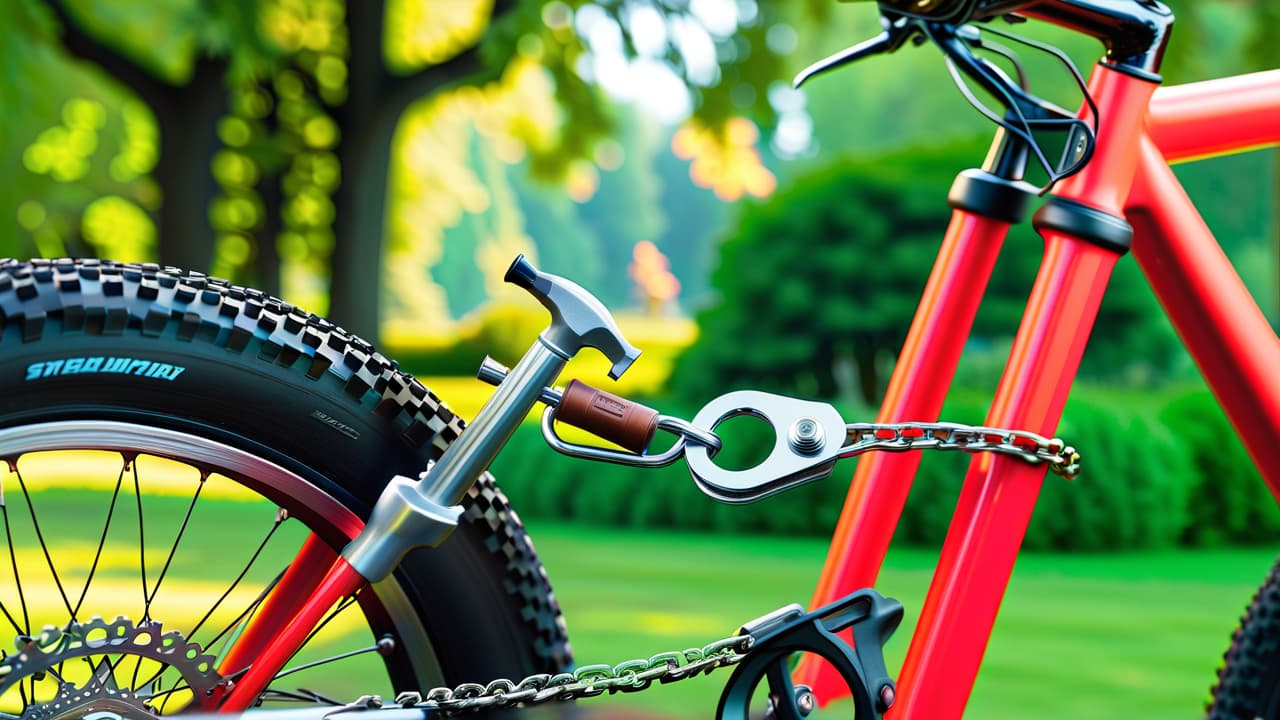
808 439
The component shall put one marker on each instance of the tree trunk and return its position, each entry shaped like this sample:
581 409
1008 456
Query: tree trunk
364 152
187 119
188 124
367 122
266 258
824 370
359 227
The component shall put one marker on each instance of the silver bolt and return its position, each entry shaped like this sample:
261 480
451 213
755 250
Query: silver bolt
806 436
886 697
805 700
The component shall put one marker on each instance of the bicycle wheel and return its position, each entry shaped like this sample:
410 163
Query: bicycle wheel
1249 682
231 399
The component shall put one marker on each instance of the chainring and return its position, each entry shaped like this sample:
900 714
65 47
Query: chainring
99 638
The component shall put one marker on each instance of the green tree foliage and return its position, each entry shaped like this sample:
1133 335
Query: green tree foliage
819 283
564 242
76 172
624 209
179 60
1228 501
276 117
1132 342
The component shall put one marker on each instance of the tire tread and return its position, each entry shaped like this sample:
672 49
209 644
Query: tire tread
100 297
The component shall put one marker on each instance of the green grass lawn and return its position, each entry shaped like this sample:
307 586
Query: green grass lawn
1134 636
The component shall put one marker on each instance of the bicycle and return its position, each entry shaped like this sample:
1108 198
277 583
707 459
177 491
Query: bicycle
149 365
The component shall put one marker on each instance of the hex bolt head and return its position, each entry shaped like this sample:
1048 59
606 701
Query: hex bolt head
806 436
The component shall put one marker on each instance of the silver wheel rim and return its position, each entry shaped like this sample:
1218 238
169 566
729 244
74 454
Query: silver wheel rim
261 475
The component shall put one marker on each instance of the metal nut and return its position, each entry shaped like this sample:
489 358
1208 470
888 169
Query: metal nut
806 436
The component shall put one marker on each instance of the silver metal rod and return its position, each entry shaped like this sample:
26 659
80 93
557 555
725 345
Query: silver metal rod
494 372
476 447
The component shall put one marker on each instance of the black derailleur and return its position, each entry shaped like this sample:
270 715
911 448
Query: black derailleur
781 634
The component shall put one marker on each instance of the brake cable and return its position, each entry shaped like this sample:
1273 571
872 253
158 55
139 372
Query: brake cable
1024 112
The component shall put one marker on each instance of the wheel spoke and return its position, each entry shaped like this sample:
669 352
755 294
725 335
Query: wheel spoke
168 694
97 556
281 516
343 605
9 616
346 603
132 464
300 695
146 610
48 524
239 619
35 524
326 661
13 560
244 614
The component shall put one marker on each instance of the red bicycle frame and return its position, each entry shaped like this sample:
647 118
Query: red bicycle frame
1141 130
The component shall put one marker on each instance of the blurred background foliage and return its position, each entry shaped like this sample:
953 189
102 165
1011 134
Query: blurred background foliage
383 161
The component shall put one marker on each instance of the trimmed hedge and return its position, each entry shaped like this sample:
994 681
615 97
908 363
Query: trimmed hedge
1150 479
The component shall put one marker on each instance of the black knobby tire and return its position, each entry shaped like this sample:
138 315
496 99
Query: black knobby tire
1249 682
264 377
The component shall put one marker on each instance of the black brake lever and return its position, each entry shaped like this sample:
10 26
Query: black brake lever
897 31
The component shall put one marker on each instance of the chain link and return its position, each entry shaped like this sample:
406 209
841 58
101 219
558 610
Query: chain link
587 681
1063 460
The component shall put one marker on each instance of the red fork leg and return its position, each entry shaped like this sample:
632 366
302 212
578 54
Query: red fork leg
917 389
300 580
340 581
999 493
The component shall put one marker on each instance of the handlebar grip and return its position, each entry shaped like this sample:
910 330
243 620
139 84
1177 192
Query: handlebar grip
618 420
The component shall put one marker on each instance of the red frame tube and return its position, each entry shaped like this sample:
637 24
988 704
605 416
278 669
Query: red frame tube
1198 289
916 391
340 581
279 608
999 494
1215 315
1209 118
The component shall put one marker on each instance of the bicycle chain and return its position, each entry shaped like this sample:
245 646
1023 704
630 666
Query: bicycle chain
588 681
638 674
1063 460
